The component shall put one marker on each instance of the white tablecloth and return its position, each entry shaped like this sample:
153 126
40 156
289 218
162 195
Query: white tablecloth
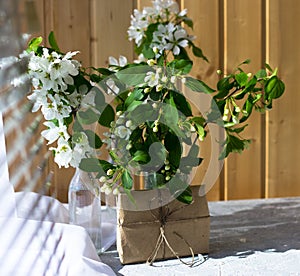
32 247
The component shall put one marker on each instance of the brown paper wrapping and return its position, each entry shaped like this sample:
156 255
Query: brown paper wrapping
138 231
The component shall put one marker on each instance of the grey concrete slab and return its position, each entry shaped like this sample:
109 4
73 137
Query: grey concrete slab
248 237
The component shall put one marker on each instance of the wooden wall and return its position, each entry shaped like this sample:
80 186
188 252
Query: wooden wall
228 31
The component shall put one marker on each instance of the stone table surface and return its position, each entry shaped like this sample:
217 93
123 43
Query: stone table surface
247 237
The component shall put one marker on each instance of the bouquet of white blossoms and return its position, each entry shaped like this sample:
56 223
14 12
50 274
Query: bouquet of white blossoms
146 122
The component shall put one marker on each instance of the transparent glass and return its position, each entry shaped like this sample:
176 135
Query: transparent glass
85 208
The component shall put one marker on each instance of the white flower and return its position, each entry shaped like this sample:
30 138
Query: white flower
114 62
54 132
112 88
39 98
80 150
179 38
57 108
63 153
183 12
141 58
152 78
75 98
139 24
123 132
170 5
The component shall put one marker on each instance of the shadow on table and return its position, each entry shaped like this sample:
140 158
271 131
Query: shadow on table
271 227
241 228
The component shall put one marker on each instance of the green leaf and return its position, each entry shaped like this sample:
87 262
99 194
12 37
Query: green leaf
127 180
103 71
170 114
274 88
269 67
99 99
52 42
173 146
186 196
134 76
237 130
182 104
184 66
107 116
241 79
181 190
133 105
148 52
136 94
90 165
34 43
198 85
198 52
248 107
233 144
141 156
261 74
247 61
94 140
87 117
224 84
188 21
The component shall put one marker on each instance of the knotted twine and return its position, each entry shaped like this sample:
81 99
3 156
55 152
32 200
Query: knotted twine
162 241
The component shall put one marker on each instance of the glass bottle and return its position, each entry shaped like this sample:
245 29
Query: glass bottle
85 208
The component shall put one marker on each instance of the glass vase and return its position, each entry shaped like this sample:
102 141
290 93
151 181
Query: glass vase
85 208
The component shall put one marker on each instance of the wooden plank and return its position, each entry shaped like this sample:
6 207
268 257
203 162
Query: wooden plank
242 40
205 13
283 121
110 21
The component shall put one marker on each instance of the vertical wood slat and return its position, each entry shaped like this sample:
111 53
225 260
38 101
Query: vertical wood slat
242 40
283 121
111 20
206 29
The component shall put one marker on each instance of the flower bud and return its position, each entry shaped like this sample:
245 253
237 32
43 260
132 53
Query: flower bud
155 50
116 191
159 88
129 146
225 118
237 109
128 123
151 62
192 128
173 79
110 172
164 79
102 179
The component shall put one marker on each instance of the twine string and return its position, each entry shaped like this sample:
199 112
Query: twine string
162 239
